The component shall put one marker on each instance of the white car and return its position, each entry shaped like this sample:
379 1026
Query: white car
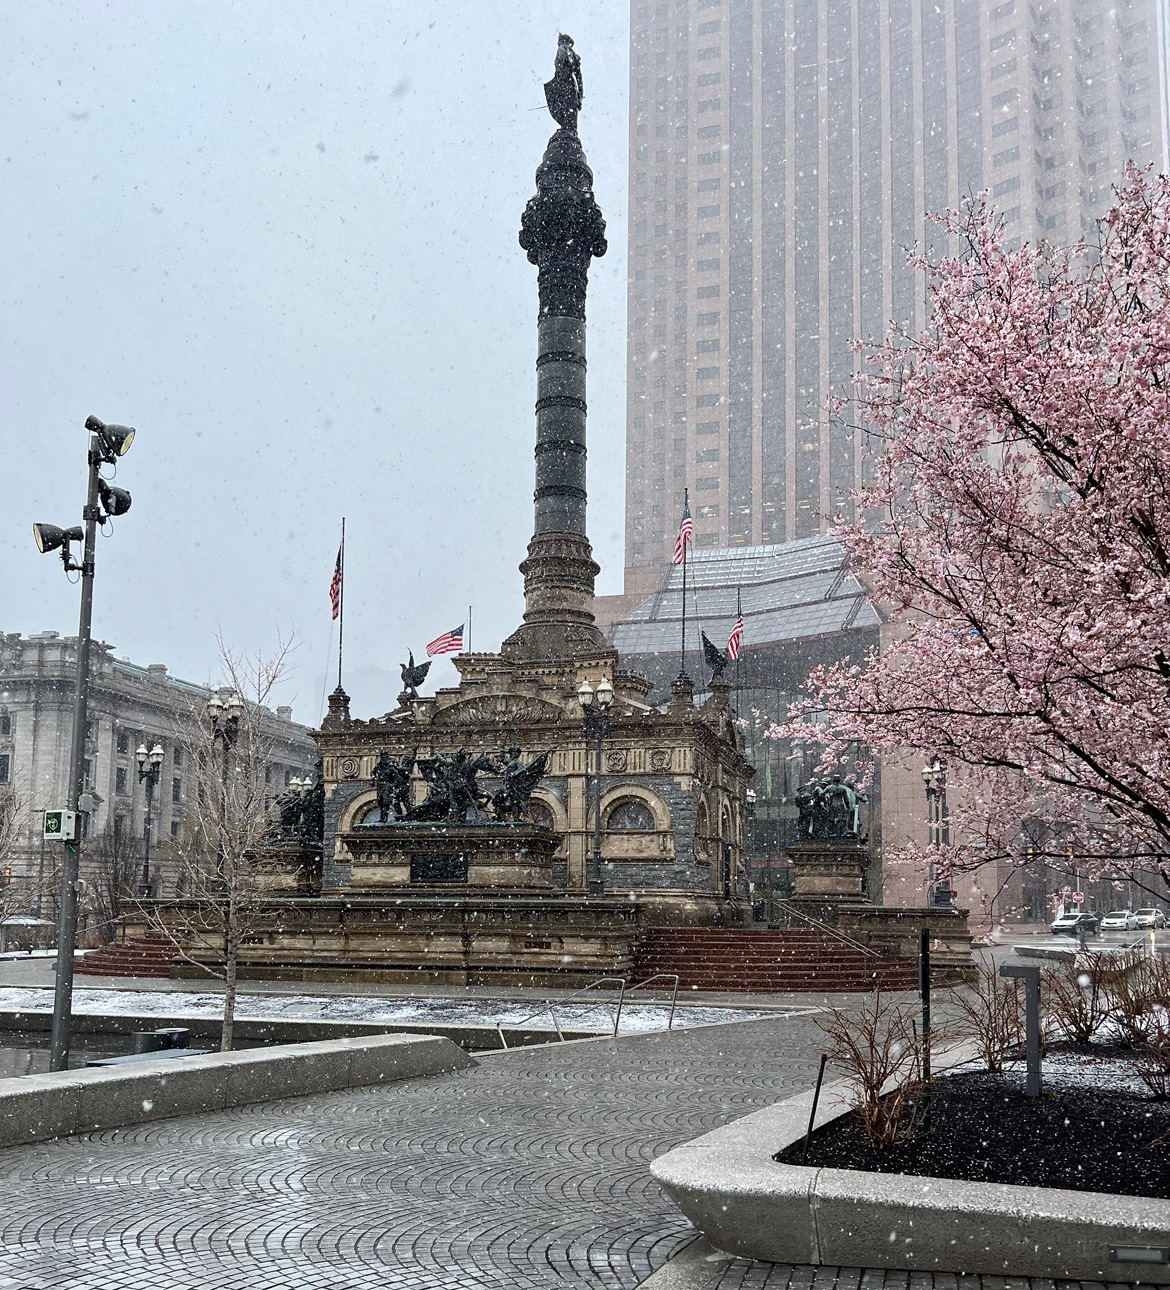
1150 917
1122 920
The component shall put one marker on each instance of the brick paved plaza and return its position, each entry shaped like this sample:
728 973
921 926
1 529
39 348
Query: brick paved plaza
528 1171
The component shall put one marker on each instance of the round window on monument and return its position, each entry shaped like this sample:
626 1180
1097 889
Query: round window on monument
540 814
630 817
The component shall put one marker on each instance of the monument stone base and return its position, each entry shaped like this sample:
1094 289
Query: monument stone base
505 859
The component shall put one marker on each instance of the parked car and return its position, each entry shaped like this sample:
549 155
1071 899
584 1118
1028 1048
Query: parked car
1150 917
1119 920
1073 924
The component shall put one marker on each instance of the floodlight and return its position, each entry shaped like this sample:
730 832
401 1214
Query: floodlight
115 500
115 439
49 537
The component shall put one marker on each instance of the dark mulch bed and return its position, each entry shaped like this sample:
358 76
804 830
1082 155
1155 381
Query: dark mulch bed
984 1129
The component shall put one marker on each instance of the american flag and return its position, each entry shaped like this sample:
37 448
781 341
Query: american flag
684 534
734 639
449 643
335 587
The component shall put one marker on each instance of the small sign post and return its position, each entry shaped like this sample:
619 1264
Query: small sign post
60 826
1031 979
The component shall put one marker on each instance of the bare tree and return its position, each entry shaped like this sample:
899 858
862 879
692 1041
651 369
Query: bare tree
111 865
227 817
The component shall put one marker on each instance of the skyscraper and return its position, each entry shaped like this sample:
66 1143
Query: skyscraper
784 156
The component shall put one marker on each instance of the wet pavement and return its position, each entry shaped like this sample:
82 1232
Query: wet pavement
528 1171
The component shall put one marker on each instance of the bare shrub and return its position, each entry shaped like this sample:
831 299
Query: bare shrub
991 1014
1138 987
873 1047
1078 997
1152 1061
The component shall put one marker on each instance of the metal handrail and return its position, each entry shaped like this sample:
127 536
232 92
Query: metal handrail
824 927
550 1005
658 976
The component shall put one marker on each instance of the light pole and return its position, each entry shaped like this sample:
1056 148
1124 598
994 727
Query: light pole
102 502
595 704
149 769
223 715
938 833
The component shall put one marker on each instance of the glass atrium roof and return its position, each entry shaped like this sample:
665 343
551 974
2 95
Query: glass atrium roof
788 591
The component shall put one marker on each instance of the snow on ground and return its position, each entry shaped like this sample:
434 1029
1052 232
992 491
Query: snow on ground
1108 1070
418 1011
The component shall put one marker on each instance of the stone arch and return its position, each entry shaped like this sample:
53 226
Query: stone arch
621 793
356 810
629 816
555 808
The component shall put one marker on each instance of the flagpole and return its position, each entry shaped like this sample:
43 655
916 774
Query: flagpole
738 647
468 629
341 605
682 662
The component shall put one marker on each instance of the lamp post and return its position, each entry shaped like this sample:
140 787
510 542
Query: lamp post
149 769
934 777
595 705
102 502
223 715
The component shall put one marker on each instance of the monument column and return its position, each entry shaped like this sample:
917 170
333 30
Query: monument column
562 229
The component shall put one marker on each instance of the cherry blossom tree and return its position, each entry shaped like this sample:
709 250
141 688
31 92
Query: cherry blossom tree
1017 530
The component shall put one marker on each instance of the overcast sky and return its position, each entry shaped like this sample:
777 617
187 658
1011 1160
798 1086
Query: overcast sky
279 239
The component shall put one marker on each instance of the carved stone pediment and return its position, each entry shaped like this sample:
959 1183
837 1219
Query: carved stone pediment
500 710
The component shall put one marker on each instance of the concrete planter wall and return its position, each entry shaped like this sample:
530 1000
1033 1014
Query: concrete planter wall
731 1189
36 1107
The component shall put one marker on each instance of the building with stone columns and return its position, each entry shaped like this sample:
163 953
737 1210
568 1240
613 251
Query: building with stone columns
129 705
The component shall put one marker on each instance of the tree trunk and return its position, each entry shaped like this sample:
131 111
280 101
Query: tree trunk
231 944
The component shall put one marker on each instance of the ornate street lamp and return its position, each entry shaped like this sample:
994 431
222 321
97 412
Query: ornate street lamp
149 769
595 704
938 833
223 716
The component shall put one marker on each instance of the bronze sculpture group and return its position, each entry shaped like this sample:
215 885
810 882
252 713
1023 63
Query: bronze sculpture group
829 810
454 793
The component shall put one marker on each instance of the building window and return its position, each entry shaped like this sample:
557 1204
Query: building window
705 485
706 239
5 723
707 427
177 790
709 158
711 78
123 741
707 454
5 767
630 817
176 757
708 293
706 347
707 401
174 828
707 374
708 539
710 105
708 212
708 186
120 781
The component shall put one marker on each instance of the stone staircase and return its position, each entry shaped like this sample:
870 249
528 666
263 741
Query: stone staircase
147 956
766 962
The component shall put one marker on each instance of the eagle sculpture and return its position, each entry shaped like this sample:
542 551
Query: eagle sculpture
412 677
716 659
